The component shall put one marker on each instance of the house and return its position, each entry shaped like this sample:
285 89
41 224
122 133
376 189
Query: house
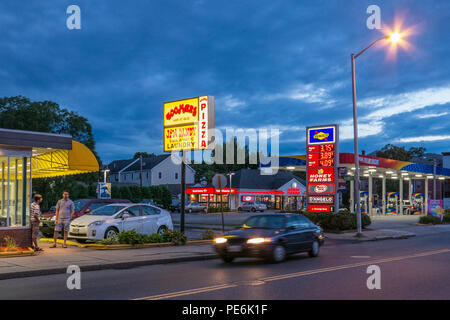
156 170
282 190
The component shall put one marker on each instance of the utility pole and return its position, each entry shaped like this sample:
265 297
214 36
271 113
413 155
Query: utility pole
183 191
141 172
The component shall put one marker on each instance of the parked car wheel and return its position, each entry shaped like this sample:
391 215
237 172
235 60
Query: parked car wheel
253 209
239 209
81 240
161 230
279 253
111 232
314 252
227 259
190 210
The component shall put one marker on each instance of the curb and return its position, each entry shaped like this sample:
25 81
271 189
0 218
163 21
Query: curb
98 246
96 267
14 254
376 238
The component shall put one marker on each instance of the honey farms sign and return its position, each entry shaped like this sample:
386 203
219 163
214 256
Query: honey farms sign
187 123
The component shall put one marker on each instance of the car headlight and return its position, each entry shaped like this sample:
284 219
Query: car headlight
220 240
258 240
96 223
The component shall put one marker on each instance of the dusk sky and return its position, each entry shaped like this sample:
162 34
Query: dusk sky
270 64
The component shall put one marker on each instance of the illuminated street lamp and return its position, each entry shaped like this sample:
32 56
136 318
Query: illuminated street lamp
394 38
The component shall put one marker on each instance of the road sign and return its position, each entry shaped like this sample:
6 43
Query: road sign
219 181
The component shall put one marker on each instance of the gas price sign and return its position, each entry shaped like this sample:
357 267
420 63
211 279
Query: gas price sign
322 163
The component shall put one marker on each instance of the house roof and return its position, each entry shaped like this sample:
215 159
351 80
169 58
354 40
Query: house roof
147 163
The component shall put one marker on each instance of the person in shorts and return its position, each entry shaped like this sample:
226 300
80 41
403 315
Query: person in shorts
65 210
35 214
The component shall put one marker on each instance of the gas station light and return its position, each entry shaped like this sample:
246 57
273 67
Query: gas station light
290 168
419 175
381 176
372 170
395 37
404 173
389 172
430 177
441 178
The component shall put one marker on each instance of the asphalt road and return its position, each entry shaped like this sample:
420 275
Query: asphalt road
415 268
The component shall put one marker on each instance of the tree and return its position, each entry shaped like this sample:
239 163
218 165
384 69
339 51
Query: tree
20 113
144 155
391 151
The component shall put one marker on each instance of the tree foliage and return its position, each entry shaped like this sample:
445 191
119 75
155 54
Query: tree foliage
143 155
20 113
391 151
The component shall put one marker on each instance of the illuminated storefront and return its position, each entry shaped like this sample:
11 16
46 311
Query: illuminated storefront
282 191
25 155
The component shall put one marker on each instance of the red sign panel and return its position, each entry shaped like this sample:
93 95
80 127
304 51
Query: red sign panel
314 208
321 188
321 175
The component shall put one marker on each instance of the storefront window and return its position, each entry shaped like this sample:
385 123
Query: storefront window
14 192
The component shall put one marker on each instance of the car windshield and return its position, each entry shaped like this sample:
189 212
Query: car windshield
264 222
79 204
106 210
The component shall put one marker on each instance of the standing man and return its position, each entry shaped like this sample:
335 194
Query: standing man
65 210
35 214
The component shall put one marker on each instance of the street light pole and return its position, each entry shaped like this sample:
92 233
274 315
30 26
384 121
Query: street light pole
356 154
355 137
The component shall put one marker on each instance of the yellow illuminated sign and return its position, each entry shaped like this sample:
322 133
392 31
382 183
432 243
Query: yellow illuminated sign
187 123
181 112
181 138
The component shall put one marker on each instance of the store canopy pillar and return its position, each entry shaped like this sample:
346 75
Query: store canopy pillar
352 196
426 197
370 204
400 192
383 196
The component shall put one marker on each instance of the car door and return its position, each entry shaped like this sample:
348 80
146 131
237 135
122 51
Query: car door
150 219
307 229
134 219
293 234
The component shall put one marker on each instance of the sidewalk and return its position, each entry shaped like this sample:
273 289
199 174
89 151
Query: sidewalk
56 260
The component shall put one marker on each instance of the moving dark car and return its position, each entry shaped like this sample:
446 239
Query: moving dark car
271 236
82 206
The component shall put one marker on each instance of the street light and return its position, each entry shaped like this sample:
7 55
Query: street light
229 197
394 38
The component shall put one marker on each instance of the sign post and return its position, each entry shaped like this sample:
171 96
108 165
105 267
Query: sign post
322 168
187 125
219 182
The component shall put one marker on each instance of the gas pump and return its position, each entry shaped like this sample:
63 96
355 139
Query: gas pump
392 203
417 203
363 195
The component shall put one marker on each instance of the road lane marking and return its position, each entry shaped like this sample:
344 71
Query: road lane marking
354 265
360 257
188 292
290 275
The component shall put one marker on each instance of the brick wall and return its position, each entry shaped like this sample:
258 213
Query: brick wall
21 235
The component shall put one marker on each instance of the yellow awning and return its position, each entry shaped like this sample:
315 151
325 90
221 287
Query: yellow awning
64 162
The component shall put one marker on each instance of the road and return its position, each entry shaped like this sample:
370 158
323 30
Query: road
416 268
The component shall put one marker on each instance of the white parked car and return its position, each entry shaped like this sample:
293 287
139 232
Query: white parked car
108 221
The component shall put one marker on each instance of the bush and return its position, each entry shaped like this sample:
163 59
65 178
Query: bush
110 240
133 238
446 218
430 220
337 221
176 237
208 235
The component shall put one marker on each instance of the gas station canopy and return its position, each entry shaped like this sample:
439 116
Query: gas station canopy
369 165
